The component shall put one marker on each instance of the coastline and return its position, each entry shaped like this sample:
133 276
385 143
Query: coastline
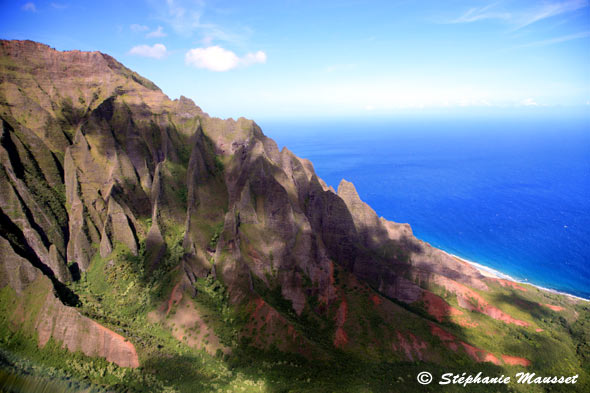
493 273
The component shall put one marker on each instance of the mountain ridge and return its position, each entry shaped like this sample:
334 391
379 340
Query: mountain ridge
144 214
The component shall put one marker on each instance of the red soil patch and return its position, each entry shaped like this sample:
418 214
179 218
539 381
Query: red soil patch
515 360
326 296
120 351
340 338
376 300
453 346
463 322
438 307
271 315
292 332
414 349
405 346
259 304
440 333
500 315
341 313
447 338
554 308
265 320
471 351
265 311
491 358
473 301
252 253
331 273
538 330
175 298
479 355
508 283
418 346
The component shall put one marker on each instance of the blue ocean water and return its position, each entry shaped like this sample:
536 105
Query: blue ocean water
512 194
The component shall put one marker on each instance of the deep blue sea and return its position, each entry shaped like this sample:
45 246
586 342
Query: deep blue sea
509 193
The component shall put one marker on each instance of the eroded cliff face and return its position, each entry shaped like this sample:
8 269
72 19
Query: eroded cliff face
95 159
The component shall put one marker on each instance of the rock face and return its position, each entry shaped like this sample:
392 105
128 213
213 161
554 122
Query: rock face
95 157
78 333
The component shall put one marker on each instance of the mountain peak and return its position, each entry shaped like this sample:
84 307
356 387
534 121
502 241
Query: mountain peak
347 191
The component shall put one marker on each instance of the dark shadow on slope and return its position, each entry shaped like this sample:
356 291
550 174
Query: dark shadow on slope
345 372
19 244
533 309
27 169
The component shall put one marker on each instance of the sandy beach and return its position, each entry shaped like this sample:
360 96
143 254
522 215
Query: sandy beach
492 273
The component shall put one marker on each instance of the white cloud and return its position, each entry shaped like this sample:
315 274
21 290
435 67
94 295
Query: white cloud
213 58
521 17
138 28
548 10
216 58
528 102
476 14
254 58
29 7
184 17
558 40
158 33
216 33
157 51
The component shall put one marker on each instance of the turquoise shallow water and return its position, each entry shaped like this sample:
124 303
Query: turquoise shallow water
511 194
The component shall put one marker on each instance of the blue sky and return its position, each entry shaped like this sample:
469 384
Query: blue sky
275 59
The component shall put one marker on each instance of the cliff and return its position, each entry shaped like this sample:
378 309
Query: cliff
133 225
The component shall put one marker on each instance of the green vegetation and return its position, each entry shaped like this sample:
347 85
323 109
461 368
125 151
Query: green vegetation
213 296
117 292
215 238
219 166
27 168
70 116
580 331
177 180
114 294
22 375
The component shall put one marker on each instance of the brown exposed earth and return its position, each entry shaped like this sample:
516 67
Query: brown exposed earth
471 300
514 360
509 284
437 307
78 333
477 354
552 307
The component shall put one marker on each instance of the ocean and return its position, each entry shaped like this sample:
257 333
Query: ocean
510 193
